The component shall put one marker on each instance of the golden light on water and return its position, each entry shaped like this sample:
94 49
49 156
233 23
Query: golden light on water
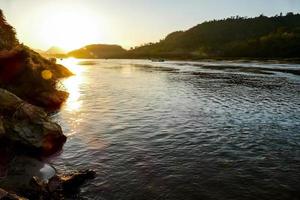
72 84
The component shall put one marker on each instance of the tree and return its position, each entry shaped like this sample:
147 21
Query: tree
7 34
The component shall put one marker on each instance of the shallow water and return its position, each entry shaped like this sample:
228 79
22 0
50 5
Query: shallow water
183 130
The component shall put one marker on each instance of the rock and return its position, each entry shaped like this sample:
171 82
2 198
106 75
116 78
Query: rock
35 179
29 125
6 155
71 182
8 101
44 136
29 112
4 195
51 100
2 130
21 170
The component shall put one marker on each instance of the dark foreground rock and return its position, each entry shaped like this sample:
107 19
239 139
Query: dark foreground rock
61 185
58 187
28 79
4 195
34 179
28 125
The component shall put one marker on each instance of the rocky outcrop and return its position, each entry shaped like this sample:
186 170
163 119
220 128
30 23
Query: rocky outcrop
8 101
26 129
21 72
28 125
59 186
35 179
51 99
2 130
4 195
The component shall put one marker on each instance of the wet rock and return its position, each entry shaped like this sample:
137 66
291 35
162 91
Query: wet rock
21 170
59 186
73 181
70 182
35 179
44 136
29 125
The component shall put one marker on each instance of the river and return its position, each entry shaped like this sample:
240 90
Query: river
181 130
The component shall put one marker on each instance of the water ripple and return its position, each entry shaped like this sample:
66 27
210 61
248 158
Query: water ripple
185 130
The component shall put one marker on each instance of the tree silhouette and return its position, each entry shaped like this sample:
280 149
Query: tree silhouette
7 34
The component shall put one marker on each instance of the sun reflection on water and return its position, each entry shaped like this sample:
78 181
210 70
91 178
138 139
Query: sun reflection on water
72 84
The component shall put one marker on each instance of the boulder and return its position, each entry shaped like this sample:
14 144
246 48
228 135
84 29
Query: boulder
4 195
44 136
51 99
59 186
8 101
2 130
35 179
73 181
69 183
20 171
29 125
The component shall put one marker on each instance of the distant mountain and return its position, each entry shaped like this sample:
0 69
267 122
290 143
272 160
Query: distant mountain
55 50
259 37
98 51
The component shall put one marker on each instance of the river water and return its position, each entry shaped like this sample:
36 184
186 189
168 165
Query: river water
183 130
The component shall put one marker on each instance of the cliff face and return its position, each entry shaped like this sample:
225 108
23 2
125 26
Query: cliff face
21 71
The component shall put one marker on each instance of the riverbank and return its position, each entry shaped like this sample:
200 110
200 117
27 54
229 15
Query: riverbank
28 93
27 137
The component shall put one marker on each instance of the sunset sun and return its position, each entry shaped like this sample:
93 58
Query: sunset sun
70 29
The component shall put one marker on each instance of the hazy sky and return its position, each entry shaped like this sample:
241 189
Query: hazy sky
73 23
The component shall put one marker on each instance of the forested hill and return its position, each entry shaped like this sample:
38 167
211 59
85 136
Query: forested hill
259 37
98 51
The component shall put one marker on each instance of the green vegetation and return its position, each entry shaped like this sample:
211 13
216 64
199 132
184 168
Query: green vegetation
259 37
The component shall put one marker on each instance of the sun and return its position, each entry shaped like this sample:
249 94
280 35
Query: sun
70 29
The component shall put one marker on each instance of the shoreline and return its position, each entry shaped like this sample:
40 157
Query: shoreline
242 59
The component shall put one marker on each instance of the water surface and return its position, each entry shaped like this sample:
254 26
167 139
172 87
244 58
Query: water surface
183 130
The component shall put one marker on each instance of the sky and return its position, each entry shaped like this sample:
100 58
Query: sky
71 24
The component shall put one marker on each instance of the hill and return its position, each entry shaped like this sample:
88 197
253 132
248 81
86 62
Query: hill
98 51
55 50
259 37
